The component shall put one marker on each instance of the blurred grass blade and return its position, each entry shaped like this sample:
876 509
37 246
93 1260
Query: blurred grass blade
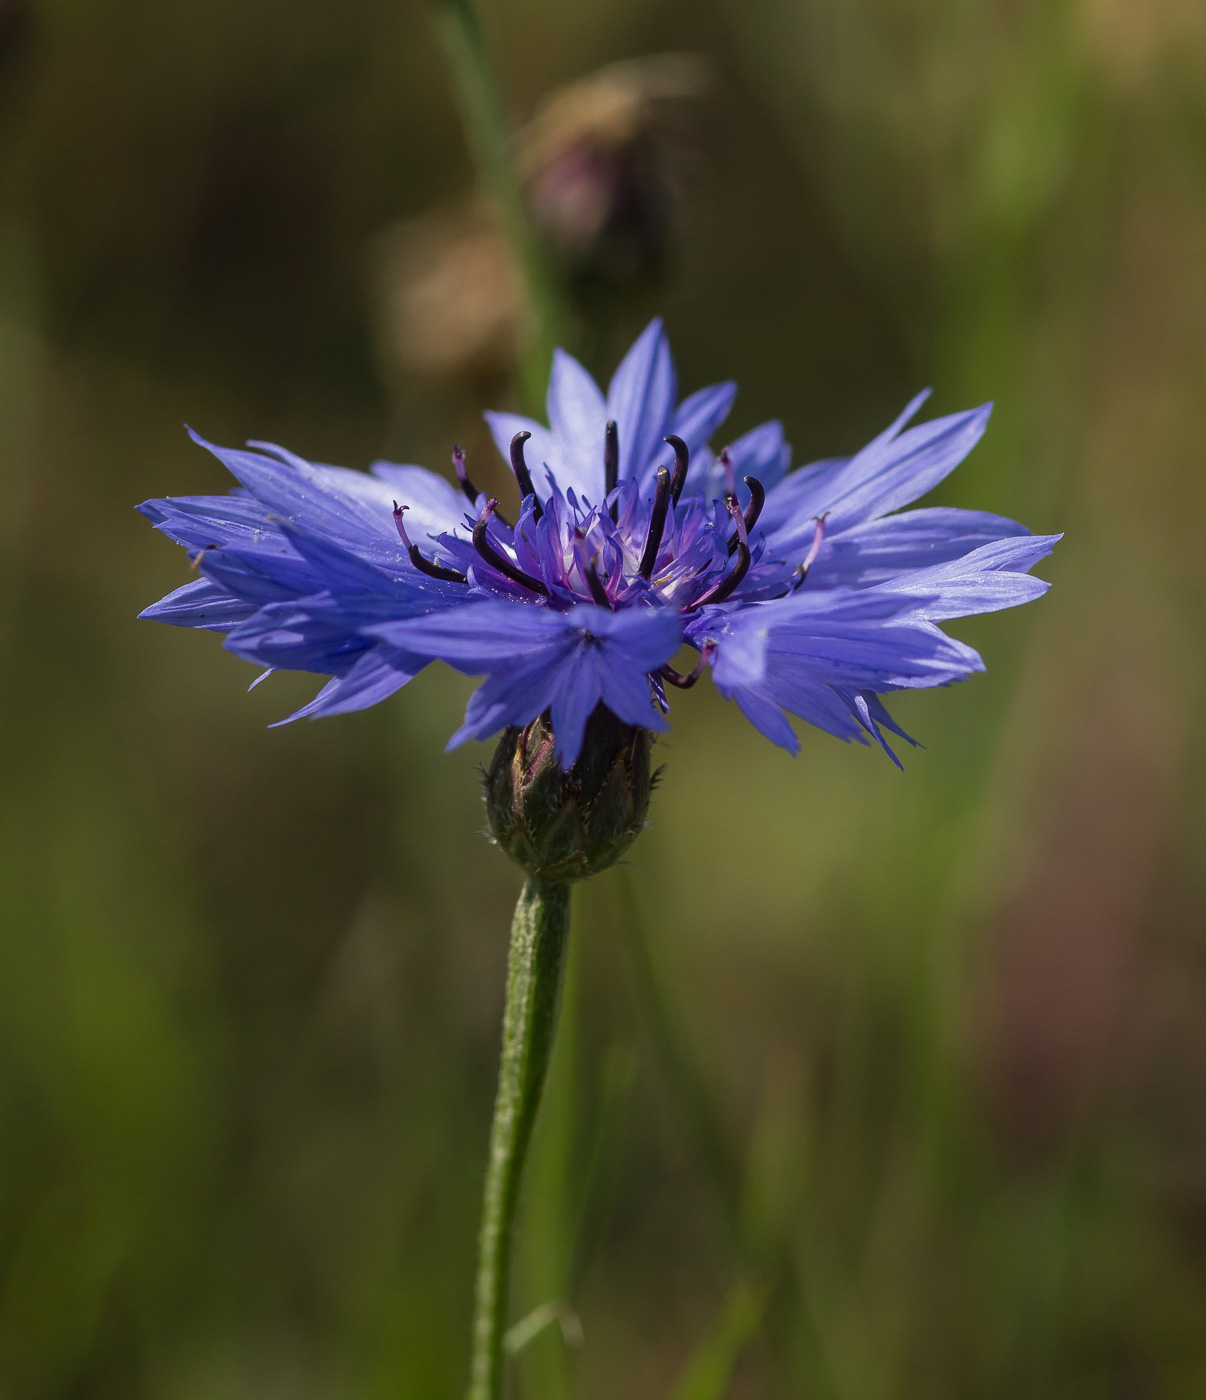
700 1119
710 1373
460 31
601 1175
527 1329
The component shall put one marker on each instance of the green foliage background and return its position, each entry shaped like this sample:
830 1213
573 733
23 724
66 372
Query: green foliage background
950 1025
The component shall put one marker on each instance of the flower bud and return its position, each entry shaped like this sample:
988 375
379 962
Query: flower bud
561 825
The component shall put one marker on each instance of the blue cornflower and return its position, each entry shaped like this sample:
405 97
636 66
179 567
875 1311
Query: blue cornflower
806 592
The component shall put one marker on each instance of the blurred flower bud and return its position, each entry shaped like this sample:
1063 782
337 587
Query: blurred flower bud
447 293
1133 42
598 163
598 168
566 826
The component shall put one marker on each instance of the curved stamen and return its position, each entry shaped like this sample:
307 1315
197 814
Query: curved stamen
676 678
458 461
754 509
682 460
424 566
727 584
481 542
588 570
657 523
813 551
520 468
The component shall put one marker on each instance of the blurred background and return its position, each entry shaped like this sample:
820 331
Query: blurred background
924 1110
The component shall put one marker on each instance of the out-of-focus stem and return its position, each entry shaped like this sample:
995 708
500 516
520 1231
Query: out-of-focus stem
710 1373
686 1083
538 940
758 1277
459 28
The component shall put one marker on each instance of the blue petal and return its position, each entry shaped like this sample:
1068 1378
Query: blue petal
311 634
352 508
882 549
568 663
836 638
239 545
869 656
625 690
283 454
648 637
888 475
482 637
870 712
788 513
846 714
701 413
577 416
906 415
261 575
827 707
890 472
986 580
340 567
201 603
375 676
765 716
402 590
570 680
512 697
200 521
477 637
740 659
762 452
641 400
881 716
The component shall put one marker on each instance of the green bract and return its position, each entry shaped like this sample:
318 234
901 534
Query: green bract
562 826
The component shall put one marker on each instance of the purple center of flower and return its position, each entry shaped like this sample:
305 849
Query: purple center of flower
631 548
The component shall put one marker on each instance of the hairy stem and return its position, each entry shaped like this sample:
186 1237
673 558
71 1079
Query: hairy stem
460 31
538 939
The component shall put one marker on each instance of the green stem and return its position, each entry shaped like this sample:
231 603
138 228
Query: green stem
460 31
538 939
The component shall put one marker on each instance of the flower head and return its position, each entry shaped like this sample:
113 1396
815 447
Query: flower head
808 592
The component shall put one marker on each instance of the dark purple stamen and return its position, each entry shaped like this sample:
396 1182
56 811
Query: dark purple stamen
814 550
586 567
754 509
481 542
657 523
611 464
595 584
458 461
727 584
686 682
520 468
682 460
424 566
611 456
